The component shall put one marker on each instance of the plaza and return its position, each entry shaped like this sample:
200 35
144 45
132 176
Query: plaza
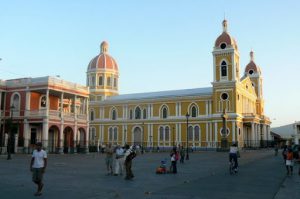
204 176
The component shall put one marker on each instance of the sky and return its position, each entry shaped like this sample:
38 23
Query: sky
158 45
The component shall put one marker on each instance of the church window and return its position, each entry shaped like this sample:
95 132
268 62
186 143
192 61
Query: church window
137 113
197 133
164 112
167 133
190 133
91 115
114 114
115 134
194 111
161 133
224 96
108 81
110 134
115 82
223 69
100 80
223 45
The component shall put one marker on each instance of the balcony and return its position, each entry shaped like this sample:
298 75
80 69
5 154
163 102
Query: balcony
54 114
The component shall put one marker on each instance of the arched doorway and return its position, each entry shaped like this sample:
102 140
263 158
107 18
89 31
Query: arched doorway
81 140
68 140
53 139
137 136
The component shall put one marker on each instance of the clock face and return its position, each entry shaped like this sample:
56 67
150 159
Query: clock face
223 46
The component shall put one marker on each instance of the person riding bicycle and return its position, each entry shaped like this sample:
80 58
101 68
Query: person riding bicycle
233 154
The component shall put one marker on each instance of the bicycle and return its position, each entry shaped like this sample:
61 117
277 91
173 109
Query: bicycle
232 169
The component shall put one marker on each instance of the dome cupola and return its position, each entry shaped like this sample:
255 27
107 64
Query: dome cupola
251 67
225 40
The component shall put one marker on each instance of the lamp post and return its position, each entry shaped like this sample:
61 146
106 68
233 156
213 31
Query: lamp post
187 157
10 133
224 131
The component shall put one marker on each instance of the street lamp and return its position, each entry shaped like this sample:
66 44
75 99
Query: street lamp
173 136
10 135
187 157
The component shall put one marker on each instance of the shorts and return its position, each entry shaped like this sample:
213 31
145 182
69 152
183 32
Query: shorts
109 161
37 174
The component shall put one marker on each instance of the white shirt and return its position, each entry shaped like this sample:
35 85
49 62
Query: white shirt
39 158
233 149
120 152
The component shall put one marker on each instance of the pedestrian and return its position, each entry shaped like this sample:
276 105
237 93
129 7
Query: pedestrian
182 154
119 165
109 151
289 162
129 155
174 158
284 153
38 166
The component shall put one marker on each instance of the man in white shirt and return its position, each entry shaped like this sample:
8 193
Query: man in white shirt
119 164
233 154
38 166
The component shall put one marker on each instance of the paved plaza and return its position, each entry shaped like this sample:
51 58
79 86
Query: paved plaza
204 176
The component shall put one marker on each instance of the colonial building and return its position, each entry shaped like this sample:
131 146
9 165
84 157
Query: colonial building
46 109
189 116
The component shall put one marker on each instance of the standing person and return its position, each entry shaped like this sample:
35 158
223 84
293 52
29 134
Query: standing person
119 166
109 151
182 154
233 154
289 162
129 155
38 166
174 158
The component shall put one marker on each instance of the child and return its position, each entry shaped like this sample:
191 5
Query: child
162 168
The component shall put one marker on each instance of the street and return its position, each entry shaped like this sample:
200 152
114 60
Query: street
204 176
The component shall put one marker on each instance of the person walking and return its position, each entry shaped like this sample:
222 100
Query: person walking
182 154
38 166
129 155
289 162
119 165
109 151
284 153
174 157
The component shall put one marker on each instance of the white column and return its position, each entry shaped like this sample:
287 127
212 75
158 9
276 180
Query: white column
47 103
206 134
27 102
26 134
61 135
45 134
179 134
252 133
210 133
233 131
264 132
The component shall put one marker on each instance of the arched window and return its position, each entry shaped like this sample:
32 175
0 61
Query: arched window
91 115
164 112
137 113
130 114
115 134
43 102
194 111
197 133
115 82
15 102
144 114
167 133
223 69
92 81
190 133
161 133
100 80
114 114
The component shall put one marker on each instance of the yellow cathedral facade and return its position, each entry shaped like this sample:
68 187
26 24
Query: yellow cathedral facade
190 117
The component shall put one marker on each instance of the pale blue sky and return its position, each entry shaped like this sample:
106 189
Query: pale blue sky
159 45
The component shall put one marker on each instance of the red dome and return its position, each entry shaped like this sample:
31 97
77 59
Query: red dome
225 38
252 66
103 60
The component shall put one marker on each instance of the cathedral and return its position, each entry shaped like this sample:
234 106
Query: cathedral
188 117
